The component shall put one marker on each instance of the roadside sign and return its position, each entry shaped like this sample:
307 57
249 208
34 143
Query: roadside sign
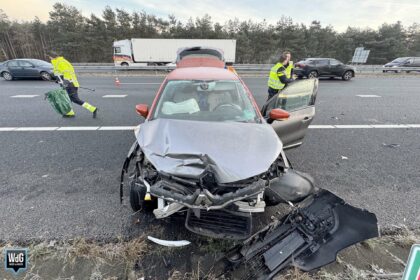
412 271
360 55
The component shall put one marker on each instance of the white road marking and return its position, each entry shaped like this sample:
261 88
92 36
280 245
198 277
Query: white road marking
114 96
24 96
120 128
389 126
117 128
367 95
353 126
321 126
77 128
7 128
47 128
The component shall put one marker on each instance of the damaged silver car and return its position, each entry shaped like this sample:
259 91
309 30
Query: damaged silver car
206 147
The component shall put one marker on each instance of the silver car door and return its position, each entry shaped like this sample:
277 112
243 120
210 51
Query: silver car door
299 100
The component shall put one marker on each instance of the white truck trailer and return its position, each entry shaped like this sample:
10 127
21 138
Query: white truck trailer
142 52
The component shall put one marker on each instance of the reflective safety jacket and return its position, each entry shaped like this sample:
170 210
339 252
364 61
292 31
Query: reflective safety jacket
64 68
276 72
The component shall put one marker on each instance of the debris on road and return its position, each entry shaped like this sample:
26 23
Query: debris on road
308 238
344 157
169 243
393 145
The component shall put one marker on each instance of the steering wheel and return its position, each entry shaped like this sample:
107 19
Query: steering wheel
236 107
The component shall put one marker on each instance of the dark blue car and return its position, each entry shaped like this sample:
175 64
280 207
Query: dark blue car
26 68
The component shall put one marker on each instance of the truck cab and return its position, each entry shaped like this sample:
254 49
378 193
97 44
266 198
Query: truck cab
122 53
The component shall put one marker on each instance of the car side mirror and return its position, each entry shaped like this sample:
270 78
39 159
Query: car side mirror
142 110
278 115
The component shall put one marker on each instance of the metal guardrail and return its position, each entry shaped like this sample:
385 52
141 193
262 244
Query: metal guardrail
241 68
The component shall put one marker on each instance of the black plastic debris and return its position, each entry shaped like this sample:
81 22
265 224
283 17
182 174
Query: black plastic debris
308 238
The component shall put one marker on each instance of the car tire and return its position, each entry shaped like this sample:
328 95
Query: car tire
137 194
313 74
347 76
407 72
46 76
7 76
124 64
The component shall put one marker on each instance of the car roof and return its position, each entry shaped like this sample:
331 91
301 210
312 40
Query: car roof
202 73
318 58
27 59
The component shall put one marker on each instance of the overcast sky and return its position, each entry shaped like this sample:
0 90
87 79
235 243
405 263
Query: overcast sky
338 13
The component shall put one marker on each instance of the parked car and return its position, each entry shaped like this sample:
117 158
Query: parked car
323 67
402 62
207 150
26 68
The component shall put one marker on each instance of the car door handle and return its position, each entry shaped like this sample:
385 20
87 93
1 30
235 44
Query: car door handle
306 119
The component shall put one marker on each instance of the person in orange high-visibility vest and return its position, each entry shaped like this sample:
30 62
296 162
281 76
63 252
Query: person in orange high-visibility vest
65 70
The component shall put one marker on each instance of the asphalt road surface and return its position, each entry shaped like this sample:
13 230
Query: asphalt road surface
63 184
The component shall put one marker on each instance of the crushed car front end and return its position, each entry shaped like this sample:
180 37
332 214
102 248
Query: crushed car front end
220 185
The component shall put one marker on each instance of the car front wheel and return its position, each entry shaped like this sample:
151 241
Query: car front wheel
7 76
46 76
313 74
347 76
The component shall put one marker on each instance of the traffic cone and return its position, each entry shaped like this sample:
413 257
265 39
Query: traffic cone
117 82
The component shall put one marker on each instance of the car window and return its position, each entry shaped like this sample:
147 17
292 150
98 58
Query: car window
335 62
40 62
24 63
220 100
399 60
295 97
13 63
117 50
409 61
323 62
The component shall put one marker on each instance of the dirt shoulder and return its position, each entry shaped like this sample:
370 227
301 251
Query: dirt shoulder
379 258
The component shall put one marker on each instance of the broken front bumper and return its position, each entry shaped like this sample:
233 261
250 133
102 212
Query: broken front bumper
202 198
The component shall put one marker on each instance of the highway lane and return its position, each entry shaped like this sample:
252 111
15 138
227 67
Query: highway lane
64 184
337 103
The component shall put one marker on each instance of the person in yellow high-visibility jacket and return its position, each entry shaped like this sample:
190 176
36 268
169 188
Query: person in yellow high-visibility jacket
65 70
281 74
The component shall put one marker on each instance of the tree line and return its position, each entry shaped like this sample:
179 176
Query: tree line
89 39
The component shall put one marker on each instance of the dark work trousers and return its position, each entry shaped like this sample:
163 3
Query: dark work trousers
74 96
272 92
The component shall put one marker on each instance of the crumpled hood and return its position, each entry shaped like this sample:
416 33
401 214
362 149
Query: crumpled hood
233 150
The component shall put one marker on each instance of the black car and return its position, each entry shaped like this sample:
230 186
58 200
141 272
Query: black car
26 68
323 67
402 62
